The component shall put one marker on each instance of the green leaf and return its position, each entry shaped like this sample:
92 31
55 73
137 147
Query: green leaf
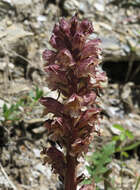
87 181
31 94
12 108
122 136
116 138
95 156
99 160
127 148
125 154
119 127
5 108
129 134
137 184
109 148
132 146
39 93
97 179
103 170
89 169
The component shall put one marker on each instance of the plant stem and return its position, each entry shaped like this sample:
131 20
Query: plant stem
70 175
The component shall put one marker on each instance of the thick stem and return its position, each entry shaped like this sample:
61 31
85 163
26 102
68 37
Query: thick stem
70 174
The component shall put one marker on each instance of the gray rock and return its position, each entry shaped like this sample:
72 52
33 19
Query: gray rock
117 32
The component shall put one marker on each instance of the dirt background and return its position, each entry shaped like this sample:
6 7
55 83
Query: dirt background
25 29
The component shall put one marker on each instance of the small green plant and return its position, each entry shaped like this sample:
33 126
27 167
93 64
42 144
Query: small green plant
137 183
36 95
122 148
121 139
33 98
98 168
12 113
98 162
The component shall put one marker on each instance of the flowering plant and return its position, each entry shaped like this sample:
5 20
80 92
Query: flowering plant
72 69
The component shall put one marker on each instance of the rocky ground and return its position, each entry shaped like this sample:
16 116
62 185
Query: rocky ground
25 29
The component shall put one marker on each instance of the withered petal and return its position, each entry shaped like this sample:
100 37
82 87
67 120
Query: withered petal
65 26
73 105
86 27
64 58
83 67
91 48
88 116
52 105
89 98
74 25
78 41
57 164
57 42
54 68
49 56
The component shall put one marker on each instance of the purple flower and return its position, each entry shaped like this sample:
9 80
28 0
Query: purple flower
73 70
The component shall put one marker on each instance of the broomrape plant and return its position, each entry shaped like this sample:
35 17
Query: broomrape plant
72 69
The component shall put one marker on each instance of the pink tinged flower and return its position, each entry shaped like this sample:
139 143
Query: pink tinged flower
89 116
95 42
83 86
85 131
57 130
58 33
101 77
61 35
52 105
78 41
62 29
53 41
57 42
49 56
50 123
65 26
73 105
64 58
51 79
70 70
89 98
83 67
56 30
91 49
56 73
74 25
86 27
57 160
79 146
56 77
54 68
